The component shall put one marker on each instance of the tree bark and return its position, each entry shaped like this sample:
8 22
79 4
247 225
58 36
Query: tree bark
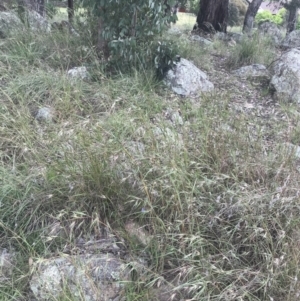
250 15
213 14
70 10
292 20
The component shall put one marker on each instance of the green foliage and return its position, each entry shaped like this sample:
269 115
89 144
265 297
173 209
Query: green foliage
266 15
123 29
194 6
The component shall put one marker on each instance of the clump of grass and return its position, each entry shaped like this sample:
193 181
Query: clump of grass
257 49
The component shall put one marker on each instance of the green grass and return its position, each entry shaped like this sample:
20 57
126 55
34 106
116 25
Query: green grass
220 191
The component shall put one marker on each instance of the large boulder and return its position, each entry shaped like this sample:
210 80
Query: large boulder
272 30
98 277
186 79
286 79
255 72
37 23
9 23
292 40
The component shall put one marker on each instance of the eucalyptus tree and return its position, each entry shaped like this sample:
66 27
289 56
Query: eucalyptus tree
213 15
121 27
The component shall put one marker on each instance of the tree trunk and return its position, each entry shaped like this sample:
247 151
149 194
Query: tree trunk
71 10
40 7
250 15
213 15
292 20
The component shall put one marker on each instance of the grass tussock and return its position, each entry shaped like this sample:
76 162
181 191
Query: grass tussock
258 49
220 205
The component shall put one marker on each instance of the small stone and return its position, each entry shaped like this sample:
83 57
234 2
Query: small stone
45 114
78 73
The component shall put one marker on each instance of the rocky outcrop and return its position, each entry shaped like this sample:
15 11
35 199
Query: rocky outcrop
9 23
255 72
272 30
186 79
97 277
285 82
37 23
292 40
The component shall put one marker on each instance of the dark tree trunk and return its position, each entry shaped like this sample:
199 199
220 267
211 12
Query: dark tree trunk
213 15
70 10
292 8
250 15
292 19
40 8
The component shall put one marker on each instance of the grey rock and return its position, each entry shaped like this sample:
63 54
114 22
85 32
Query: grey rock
272 30
9 23
230 36
186 79
202 41
7 263
45 114
78 73
255 71
98 277
286 79
292 40
293 149
173 30
37 23
235 36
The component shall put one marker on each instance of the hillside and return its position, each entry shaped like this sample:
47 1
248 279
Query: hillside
198 196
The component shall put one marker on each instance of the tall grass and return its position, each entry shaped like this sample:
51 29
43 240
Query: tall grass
220 205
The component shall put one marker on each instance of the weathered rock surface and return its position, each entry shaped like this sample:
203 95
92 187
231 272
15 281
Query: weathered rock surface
6 265
292 40
9 23
255 72
45 114
272 30
78 73
186 79
37 23
230 36
202 41
286 79
96 277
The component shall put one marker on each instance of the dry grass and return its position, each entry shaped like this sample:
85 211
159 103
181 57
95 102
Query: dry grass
219 194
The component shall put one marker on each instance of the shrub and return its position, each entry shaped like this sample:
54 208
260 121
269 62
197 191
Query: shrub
124 28
278 19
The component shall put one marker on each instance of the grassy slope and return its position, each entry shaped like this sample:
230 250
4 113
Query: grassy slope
220 191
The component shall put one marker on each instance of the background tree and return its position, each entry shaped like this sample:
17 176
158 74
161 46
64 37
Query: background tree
250 14
213 13
127 32
292 8
71 10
